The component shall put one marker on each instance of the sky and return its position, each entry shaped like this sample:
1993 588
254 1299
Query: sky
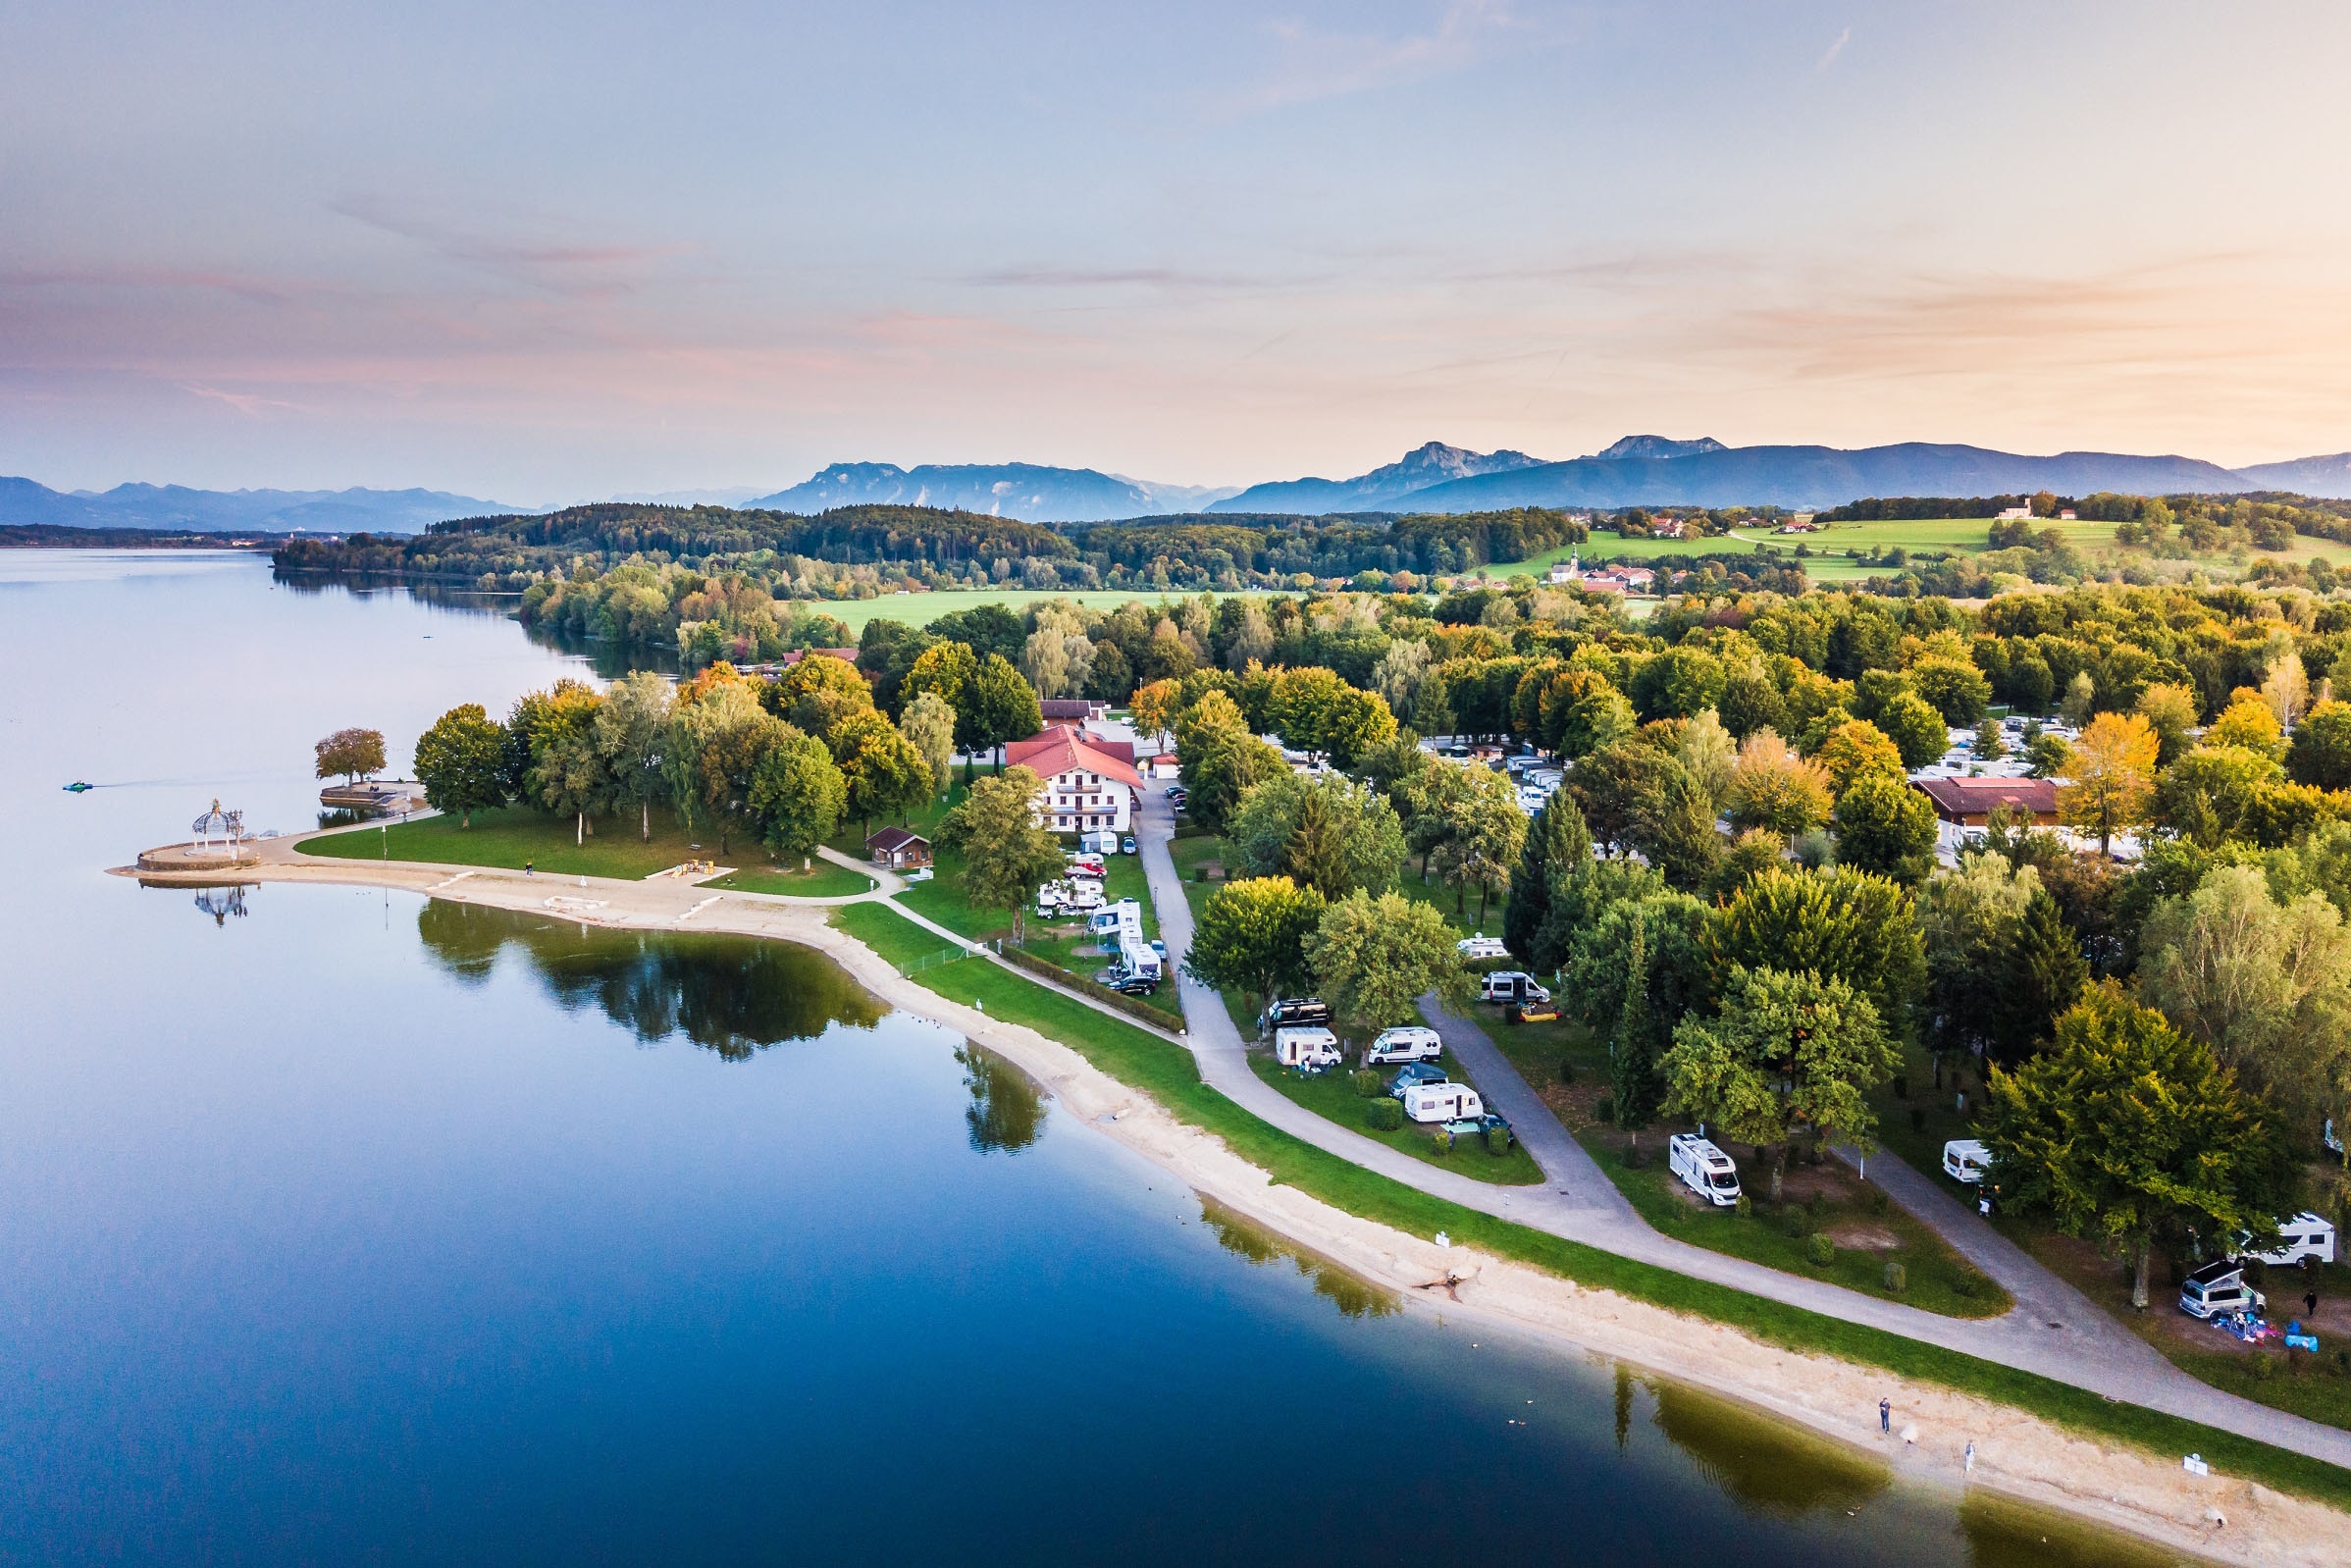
538 253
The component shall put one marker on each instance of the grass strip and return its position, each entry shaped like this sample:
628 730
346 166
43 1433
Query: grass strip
1166 1071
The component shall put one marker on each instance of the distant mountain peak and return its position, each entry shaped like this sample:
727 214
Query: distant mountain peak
1653 447
1430 463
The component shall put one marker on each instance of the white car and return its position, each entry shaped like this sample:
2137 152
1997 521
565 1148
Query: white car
1408 1044
1966 1160
1481 947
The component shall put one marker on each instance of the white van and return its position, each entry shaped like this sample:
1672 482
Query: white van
1442 1102
2305 1235
1308 1049
2219 1290
1512 986
1703 1169
1410 1043
1966 1160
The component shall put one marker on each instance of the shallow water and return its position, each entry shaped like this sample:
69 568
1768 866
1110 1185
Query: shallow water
342 1224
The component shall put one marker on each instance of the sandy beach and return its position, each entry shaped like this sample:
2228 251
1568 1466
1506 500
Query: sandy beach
2016 1454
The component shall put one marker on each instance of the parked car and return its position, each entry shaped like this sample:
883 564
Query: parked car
1512 986
1308 1049
1481 947
1967 1160
1294 1010
1123 979
1703 1169
1126 845
1412 1076
2219 1290
2305 1235
1411 1042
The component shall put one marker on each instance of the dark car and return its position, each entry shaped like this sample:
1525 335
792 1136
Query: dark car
1307 1009
1120 980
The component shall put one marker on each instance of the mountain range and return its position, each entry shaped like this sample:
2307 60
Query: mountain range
1636 471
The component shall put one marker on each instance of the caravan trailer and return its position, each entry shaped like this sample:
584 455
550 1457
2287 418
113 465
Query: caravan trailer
1442 1102
2305 1235
1308 1049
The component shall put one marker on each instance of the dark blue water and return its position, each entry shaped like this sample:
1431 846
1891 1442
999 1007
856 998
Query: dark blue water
337 1225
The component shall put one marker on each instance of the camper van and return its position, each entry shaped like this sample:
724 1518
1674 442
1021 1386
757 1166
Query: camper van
2219 1290
1125 916
1512 986
1703 1169
1967 1160
2305 1235
1308 1049
1103 843
1412 1043
1069 898
1293 1010
1442 1102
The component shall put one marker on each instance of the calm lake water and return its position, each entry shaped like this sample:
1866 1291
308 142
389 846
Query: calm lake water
340 1225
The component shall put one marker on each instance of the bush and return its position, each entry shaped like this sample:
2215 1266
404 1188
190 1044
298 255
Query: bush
1368 1084
1744 1207
1898 1277
1497 1142
1386 1115
2263 1368
1967 1288
1606 1111
1443 1141
1875 1200
1819 1250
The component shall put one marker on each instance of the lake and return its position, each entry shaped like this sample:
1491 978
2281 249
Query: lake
343 1225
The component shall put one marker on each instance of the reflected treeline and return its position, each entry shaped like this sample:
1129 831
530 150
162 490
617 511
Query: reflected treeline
1354 1297
611 662
1763 1464
733 995
1007 1112
2005 1533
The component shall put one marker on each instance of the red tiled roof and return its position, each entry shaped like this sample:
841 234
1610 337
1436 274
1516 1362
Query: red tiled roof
1060 747
892 838
1956 798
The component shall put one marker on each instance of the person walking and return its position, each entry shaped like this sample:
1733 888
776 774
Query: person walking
526 868
1885 1416
2309 1304
1967 1463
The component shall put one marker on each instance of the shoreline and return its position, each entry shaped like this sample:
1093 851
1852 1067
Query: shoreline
2020 1456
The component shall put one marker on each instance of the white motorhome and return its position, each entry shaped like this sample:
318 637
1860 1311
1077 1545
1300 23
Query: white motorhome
1512 986
1307 1048
1411 1043
1442 1102
1703 1169
1123 919
1139 959
1967 1160
1103 843
1069 898
2305 1235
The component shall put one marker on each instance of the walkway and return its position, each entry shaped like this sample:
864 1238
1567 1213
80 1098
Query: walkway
2070 1341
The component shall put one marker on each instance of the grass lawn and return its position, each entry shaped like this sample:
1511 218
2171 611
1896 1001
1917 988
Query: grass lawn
1332 1096
1165 1072
1867 1229
822 880
511 835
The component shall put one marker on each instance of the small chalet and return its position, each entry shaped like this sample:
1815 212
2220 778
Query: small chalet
1167 765
1968 802
1090 784
899 850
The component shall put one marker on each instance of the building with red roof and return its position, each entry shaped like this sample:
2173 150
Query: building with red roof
1090 784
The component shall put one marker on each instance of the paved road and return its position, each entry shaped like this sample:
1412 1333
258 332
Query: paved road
2053 1330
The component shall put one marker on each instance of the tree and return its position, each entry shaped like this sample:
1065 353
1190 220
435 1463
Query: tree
1485 829
2320 753
2127 1132
2248 722
1630 972
1789 1052
1751 703
1303 705
462 763
886 776
1004 707
2171 712
1853 749
1955 689
1326 832
1154 707
715 739
569 773
1558 843
1597 719
1967 923
797 795
1990 745
1374 958
1045 661
1884 826
1708 754
947 672
1251 938
1220 759
351 755
1842 923
2286 688
540 717
2113 770
1006 856
632 728
1917 730
2041 977
2265 983
928 724
818 693
1771 787
2081 692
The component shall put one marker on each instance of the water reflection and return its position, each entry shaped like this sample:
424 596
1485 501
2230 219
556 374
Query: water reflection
1007 1112
1766 1466
2001 1533
1353 1297
222 902
734 995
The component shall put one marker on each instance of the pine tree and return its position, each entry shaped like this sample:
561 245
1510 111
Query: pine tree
1633 1049
1556 844
2043 977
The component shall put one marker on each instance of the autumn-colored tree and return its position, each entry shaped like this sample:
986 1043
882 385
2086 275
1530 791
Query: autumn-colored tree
2112 783
1854 747
351 755
1771 787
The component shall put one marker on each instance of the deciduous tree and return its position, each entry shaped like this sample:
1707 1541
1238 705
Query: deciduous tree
1006 856
1771 787
928 724
1374 958
632 728
1848 924
1886 826
797 795
462 762
1251 938
351 755
2110 786
1327 832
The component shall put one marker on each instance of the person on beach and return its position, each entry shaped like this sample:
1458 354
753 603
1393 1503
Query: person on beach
526 868
1885 1416
1968 1461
